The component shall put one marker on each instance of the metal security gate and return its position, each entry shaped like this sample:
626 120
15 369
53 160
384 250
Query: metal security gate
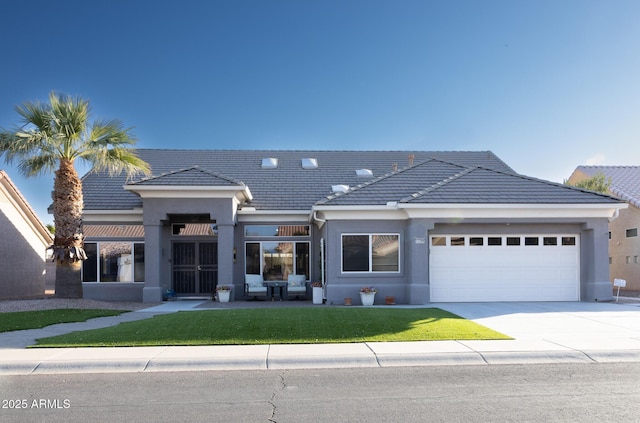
195 267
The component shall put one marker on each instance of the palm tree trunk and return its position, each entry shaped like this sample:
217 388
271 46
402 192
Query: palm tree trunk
69 280
69 239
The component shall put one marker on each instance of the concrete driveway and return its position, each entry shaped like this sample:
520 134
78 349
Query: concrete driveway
587 327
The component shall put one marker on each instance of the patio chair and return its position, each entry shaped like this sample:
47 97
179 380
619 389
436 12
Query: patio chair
253 285
297 285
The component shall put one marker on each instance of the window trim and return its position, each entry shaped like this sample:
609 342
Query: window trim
99 261
370 235
261 255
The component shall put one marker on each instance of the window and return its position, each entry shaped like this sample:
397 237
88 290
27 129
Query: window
457 241
512 240
114 261
476 241
631 233
550 240
439 241
275 261
531 240
371 253
569 240
494 240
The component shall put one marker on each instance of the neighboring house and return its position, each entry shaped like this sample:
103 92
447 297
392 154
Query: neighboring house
23 243
624 243
419 226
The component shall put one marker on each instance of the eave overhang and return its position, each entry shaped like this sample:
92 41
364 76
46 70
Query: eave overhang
113 216
250 215
240 192
399 211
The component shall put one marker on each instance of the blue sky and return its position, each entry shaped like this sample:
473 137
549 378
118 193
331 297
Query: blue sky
546 85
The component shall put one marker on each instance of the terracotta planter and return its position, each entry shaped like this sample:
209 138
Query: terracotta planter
347 301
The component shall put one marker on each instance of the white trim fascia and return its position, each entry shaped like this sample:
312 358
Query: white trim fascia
511 211
250 215
195 191
360 213
105 216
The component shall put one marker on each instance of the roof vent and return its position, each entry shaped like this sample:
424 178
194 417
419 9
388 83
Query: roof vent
309 163
339 188
270 163
364 172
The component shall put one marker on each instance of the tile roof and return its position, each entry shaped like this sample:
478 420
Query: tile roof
438 182
113 231
429 177
193 176
625 180
288 187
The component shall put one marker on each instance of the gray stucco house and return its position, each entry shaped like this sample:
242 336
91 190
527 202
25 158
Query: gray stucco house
419 226
624 242
23 243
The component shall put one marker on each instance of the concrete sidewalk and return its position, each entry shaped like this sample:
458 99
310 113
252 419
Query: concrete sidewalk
543 332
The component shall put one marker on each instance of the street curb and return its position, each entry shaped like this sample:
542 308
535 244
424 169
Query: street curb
264 362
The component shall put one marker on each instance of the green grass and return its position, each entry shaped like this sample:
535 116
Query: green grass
22 320
281 326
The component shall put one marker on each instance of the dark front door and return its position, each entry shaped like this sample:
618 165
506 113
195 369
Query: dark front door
195 267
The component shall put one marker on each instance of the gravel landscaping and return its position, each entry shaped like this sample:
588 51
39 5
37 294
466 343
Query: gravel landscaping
49 303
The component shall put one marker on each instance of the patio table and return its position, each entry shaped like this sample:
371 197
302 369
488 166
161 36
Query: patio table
283 289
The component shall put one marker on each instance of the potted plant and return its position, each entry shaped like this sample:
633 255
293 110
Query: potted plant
224 293
367 295
317 292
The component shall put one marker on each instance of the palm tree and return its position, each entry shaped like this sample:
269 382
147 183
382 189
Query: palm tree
50 138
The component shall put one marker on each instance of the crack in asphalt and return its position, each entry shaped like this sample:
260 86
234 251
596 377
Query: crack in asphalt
274 394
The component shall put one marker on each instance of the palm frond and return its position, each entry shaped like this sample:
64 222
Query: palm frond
71 115
36 115
21 146
61 130
37 165
111 132
117 160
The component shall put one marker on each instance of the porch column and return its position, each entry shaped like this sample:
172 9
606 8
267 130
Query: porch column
594 262
225 256
152 291
417 262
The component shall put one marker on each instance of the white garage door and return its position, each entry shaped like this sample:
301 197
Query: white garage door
467 268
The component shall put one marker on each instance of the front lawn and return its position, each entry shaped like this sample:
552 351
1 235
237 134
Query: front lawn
281 326
22 320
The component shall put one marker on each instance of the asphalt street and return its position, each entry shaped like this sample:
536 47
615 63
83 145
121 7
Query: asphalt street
508 393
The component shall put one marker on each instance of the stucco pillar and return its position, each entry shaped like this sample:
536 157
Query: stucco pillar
225 257
417 261
152 291
594 259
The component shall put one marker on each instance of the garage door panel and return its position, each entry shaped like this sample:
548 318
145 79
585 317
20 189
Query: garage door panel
504 273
